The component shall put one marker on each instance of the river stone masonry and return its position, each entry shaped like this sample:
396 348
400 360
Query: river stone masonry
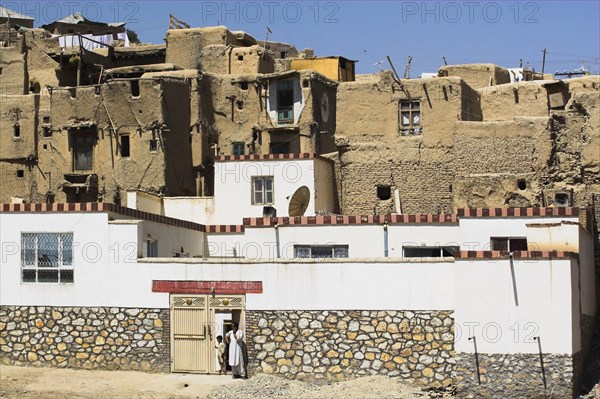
89 338
416 346
514 376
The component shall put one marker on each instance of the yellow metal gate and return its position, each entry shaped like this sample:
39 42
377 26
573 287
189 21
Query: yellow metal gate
191 344
193 330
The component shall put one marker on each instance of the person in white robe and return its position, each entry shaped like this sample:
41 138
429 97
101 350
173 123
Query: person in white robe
237 353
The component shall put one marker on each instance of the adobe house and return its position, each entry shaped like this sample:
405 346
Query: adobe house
15 20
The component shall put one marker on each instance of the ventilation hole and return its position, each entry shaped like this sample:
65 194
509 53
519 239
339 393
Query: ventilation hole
244 85
20 173
46 119
305 83
240 57
45 146
384 192
522 184
561 199
153 145
17 131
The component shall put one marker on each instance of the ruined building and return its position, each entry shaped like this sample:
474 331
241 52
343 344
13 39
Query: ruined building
91 120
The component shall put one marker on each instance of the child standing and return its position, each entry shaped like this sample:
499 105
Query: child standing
221 354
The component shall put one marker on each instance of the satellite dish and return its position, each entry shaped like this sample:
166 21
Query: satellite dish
299 202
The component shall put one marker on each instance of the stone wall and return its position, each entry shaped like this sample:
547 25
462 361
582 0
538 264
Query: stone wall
89 338
514 376
416 346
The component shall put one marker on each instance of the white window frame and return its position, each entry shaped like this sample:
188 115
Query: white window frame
263 190
63 267
332 247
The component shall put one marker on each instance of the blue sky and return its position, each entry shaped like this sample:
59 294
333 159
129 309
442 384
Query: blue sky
501 32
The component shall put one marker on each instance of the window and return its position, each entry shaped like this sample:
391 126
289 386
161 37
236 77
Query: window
262 190
384 192
83 152
320 251
150 248
240 57
429 252
135 88
17 131
125 148
238 148
46 119
20 173
410 117
282 54
153 145
47 257
279 147
508 244
244 85
561 199
285 101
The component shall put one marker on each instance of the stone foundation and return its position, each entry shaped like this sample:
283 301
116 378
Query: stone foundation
515 376
416 346
89 338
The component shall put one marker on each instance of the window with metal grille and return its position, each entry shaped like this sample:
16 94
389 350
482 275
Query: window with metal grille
262 190
320 251
47 257
410 117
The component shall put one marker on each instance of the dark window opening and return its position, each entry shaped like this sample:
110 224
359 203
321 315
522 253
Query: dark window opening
20 173
279 147
305 83
561 199
244 85
46 119
47 131
508 244
45 146
429 252
135 88
282 54
285 101
238 148
17 131
384 192
240 104
73 92
83 152
125 146
240 57
153 145
522 184
0 71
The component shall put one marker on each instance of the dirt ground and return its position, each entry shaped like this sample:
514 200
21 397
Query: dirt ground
30 383
47 383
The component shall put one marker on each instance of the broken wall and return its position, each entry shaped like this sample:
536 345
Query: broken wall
477 75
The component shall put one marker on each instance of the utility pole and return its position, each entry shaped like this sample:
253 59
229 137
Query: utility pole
544 61
445 62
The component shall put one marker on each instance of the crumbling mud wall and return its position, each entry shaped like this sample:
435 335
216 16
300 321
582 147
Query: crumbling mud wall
14 78
184 46
381 168
477 75
18 146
